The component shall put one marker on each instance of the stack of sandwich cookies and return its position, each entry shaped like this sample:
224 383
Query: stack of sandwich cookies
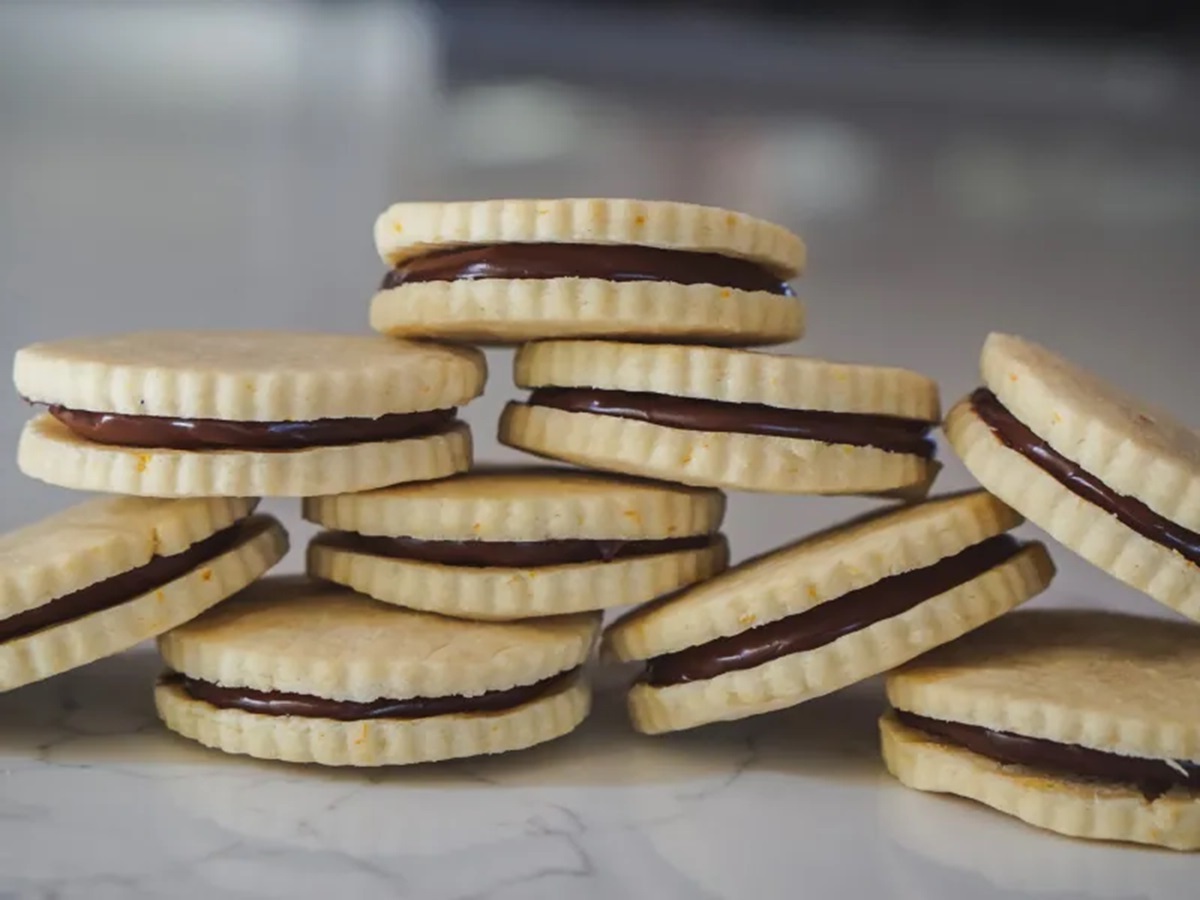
1085 723
509 543
827 612
103 576
1110 477
726 418
178 414
303 672
519 270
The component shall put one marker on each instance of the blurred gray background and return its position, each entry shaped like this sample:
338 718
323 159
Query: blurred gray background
221 165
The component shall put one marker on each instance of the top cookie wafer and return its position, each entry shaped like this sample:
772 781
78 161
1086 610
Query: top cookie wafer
525 504
291 635
1118 683
248 376
1134 448
406 230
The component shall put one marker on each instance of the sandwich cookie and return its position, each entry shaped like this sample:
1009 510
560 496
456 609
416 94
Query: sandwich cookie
176 414
303 672
827 612
726 418
1110 477
510 543
110 573
517 270
1085 723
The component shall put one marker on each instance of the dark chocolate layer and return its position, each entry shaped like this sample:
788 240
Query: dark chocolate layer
114 591
619 262
826 622
278 703
889 433
216 434
507 554
1150 776
1129 511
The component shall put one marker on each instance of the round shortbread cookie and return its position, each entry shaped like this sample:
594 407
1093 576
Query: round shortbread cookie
817 569
1137 450
1106 681
513 503
747 462
50 452
795 678
62 647
406 230
297 636
248 376
101 538
373 742
499 310
1079 808
729 376
500 593
1092 532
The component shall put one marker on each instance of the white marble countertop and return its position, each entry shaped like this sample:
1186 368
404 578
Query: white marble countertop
97 801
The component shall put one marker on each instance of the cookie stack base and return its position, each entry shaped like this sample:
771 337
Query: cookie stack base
377 742
1072 807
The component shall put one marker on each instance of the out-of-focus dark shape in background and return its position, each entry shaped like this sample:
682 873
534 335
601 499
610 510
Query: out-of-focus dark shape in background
955 168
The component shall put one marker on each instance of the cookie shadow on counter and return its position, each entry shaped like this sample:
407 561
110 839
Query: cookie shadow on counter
832 737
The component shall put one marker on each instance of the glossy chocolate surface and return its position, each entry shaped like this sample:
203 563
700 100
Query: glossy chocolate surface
889 433
128 585
508 554
611 262
826 622
216 434
1150 776
278 703
1129 511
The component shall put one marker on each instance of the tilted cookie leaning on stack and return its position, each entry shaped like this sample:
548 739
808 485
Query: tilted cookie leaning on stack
514 543
178 414
1109 476
726 418
305 672
831 610
1086 723
107 574
521 270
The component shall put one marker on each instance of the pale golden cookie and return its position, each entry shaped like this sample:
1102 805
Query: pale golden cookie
729 376
248 376
509 543
84 632
1133 447
528 503
440 688
838 607
1078 808
1082 696
406 230
374 742
518 303
272 636
1084 527
50 452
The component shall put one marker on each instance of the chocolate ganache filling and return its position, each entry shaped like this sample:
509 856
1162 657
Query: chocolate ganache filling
508 554
890 433
826 622
121 588
218 434
279 703
621 262
1129 511
1153 777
